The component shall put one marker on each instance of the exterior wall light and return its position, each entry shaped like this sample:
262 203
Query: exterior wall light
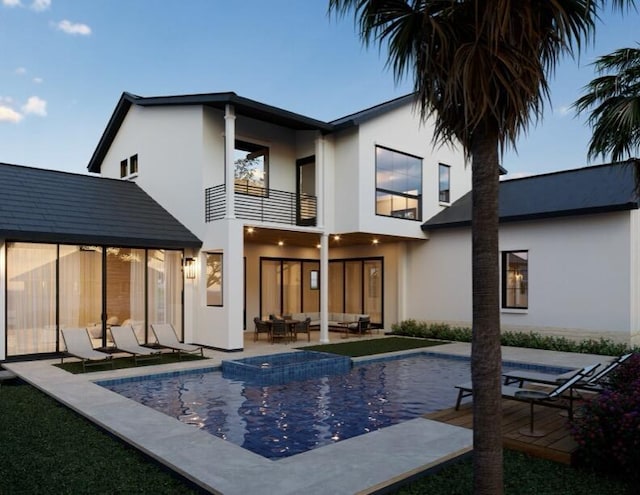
189 268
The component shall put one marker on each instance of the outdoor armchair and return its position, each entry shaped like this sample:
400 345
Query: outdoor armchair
261 326
125 340
78 344
166 337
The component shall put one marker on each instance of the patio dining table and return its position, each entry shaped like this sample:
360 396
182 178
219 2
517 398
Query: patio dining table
290 328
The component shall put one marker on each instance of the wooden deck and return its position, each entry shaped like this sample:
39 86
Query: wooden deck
556 444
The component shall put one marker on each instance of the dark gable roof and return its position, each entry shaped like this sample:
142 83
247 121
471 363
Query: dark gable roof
582 191
49 206
243 106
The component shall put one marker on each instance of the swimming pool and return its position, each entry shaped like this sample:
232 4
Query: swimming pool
278 421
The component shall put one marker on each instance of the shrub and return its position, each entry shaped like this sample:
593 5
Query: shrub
532 340
608 431
623 378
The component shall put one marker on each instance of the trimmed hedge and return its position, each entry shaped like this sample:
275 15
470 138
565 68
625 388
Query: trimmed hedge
532 340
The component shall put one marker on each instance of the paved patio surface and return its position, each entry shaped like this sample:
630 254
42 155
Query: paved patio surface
362 464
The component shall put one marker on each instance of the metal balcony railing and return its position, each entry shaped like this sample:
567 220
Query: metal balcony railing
262 205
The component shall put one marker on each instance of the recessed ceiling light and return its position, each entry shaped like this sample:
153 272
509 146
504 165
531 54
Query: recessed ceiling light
250 230
280 243
336 237
375 241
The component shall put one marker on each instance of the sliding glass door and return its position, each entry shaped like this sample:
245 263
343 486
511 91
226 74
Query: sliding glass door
288 286
53 286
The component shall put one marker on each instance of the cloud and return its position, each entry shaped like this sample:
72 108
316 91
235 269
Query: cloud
8 114
40 5
38 80
12 3
20 71
565 110
35 106
73 28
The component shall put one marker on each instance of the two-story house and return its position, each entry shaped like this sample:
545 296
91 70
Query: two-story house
295 215
210 210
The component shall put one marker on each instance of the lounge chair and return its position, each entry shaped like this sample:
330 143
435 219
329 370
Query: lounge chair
593 382
534 396
166 337
125 340
78 344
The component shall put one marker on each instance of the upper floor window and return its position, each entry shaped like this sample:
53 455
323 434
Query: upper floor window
251 168
444 178
129 167
398 184
515 279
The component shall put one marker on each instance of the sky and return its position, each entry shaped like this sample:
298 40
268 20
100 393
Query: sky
65 63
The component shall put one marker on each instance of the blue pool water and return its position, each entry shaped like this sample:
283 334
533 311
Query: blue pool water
281 420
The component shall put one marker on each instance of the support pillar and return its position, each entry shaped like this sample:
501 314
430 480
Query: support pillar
229 167
324 288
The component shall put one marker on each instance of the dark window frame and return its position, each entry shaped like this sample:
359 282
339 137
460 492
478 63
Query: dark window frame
444 195
507 286
259 150
414 214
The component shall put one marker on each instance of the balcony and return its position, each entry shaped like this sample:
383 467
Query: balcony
262 205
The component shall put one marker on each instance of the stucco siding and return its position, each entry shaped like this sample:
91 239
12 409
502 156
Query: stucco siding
579 277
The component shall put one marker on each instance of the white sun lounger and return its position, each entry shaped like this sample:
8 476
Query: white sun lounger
594 381
550 398
125 340
78 344
166 337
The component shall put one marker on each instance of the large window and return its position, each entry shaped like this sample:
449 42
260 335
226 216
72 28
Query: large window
515 279
398 184
53 286
251 174
444 183
287 286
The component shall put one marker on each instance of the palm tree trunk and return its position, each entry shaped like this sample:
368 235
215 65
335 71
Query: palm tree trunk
486 359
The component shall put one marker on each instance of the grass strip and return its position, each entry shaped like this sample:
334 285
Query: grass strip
367 347
523 475
47 448
75 367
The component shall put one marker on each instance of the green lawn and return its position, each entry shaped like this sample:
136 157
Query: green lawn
368 347
47 448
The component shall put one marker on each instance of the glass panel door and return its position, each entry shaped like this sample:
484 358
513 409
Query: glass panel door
373 290
164 283
126 289
80 280
31 298
353 287
310 291
270 302
306 191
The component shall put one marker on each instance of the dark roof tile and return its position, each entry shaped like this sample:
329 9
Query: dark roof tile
582 191
50 206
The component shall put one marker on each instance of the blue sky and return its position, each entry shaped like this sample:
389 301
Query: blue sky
65 63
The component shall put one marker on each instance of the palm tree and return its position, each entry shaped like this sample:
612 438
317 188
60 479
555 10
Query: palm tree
614 100
480 69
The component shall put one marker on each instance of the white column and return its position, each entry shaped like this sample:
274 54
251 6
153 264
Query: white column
320 180
324 288
229 146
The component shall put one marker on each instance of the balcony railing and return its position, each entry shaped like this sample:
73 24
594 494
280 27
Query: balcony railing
262 205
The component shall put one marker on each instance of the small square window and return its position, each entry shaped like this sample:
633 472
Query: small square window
123 168
133 165
444 182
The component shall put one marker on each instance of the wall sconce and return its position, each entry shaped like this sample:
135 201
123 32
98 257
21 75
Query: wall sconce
189 267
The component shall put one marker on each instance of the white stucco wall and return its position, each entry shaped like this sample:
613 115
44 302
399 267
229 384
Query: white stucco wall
169 145
579 276
355 184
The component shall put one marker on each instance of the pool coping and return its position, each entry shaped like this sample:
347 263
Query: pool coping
363 464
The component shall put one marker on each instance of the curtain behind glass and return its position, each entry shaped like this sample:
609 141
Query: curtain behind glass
310 297
80 286
291 273
31 298
270 290
373 290
125 289
353 286
165 288
336 287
